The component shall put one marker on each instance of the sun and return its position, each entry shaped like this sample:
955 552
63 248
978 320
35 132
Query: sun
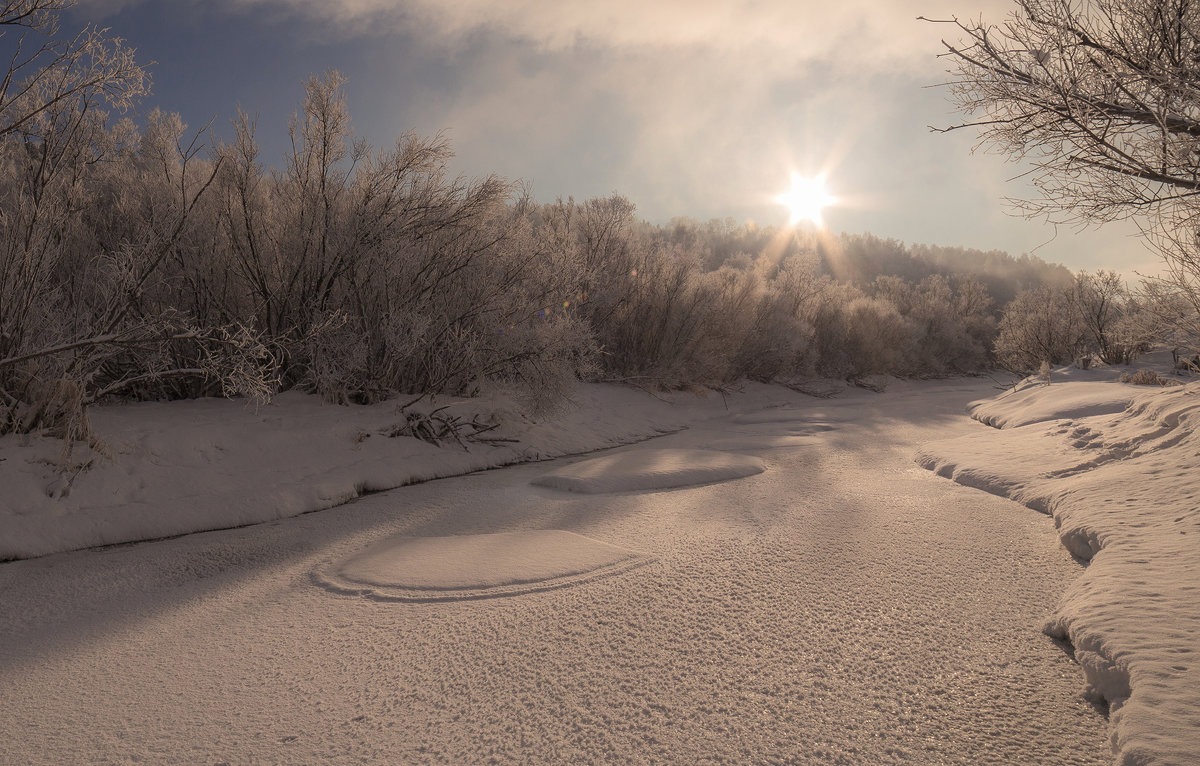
806 199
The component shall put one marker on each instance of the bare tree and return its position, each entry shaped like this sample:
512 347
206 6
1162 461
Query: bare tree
48 76
1102 98
1100 302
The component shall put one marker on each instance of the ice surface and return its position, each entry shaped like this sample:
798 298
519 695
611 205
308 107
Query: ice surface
1124 490
649 469
476 566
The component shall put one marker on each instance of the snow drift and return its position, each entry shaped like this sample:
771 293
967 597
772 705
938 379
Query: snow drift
461 567
1116 467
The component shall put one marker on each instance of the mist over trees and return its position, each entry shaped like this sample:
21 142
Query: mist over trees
140 260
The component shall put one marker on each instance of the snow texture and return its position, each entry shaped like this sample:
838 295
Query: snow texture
842 607
476 566
1028 403
650 469
1122 486
172 468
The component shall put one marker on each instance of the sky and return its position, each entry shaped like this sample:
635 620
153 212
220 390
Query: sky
690 108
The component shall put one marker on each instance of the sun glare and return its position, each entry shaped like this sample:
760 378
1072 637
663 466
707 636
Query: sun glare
806 199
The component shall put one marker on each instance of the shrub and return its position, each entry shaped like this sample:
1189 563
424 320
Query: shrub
1148 378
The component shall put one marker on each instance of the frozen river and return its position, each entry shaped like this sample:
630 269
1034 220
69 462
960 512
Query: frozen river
840 606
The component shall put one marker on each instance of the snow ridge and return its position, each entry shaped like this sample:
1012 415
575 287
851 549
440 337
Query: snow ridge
1115 466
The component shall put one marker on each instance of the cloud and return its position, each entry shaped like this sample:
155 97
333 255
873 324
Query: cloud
695 108
776 35
100 9
689 107
852 33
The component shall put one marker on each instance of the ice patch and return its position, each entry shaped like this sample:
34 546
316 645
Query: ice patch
475 566
649 469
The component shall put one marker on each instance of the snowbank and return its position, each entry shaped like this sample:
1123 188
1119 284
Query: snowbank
178 467
1028 403
1116 465
651 469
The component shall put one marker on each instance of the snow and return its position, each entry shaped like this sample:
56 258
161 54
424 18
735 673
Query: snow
1028 404
1115 465
835 604
842 606
476 566
167 469
651 469
774 415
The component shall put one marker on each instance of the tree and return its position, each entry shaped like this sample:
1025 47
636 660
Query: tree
1100 302
49 78
1160 313
51 130
1039 326
76 322
1102 98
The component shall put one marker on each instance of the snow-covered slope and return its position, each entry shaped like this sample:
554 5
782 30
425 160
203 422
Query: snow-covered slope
1116 465
177 467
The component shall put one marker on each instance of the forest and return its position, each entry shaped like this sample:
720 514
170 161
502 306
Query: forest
141 260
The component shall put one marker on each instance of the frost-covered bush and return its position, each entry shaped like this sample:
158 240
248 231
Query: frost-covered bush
380 274
950 321
93 216
1039 325
875 336
644 299
135 265
775 340
1161 313
1101 303
855 334
1148 378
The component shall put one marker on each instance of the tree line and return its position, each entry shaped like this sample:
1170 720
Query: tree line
141 261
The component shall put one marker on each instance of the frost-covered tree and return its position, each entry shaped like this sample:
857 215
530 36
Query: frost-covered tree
378 273
1102 98
1038 326
1101 301
1161 313
73 324
950 320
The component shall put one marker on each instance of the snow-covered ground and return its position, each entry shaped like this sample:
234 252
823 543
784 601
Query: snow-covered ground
172 468
651 469
839 605
1116 466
